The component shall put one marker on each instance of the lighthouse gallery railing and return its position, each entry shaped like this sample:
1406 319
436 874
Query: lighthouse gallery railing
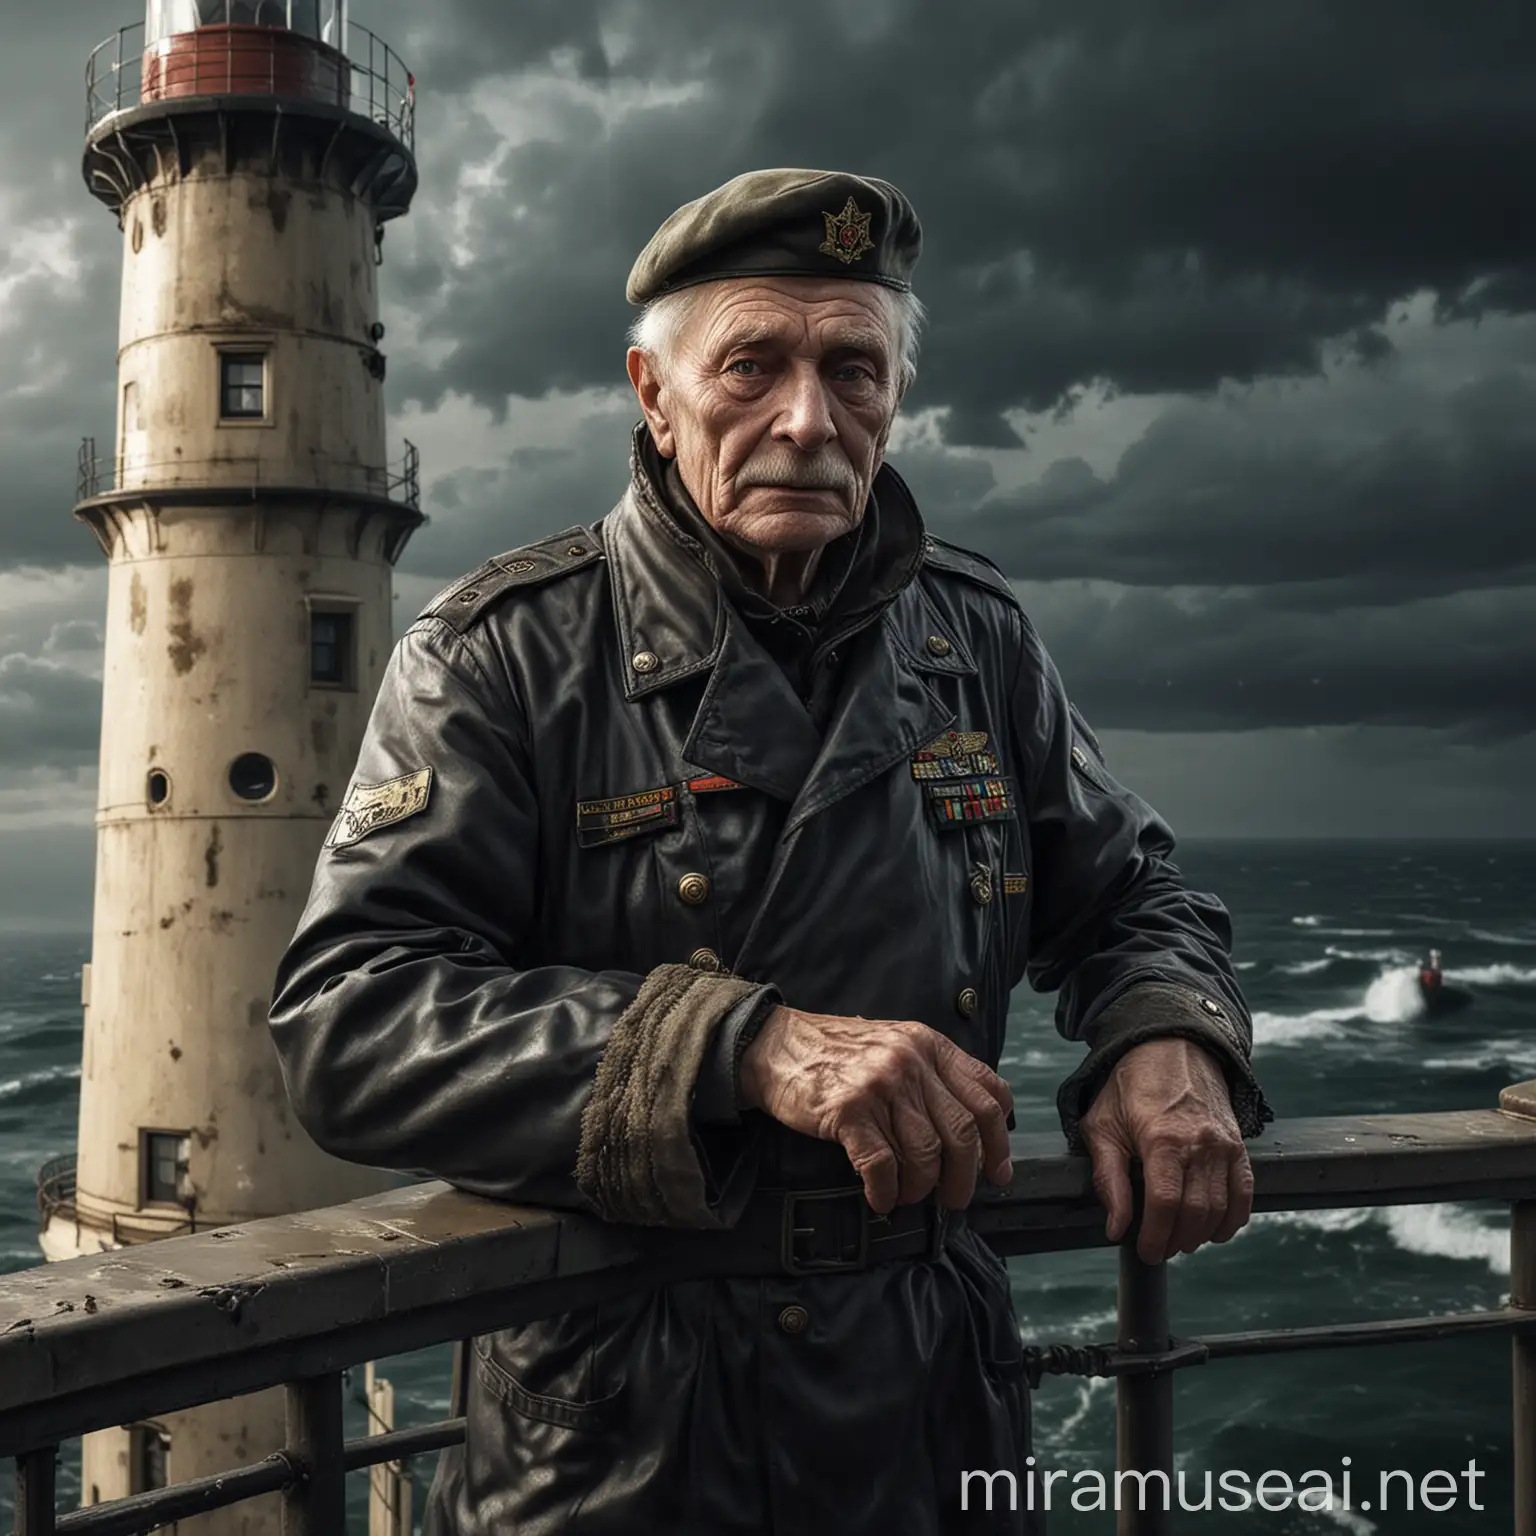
295 1300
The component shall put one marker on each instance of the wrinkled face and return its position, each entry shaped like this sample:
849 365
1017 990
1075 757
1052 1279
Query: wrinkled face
776 402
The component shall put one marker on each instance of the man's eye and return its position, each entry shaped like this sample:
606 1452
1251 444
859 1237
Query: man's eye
741 365
856 375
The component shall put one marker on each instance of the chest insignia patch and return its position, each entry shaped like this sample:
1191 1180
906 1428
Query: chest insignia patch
711 784
371 806
1015 885
954 755
607 821
954 802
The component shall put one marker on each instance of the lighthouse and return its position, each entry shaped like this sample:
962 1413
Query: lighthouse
249 508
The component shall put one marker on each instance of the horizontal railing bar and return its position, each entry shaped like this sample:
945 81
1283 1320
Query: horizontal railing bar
398 1444
144 1512
1396 1330
102 1340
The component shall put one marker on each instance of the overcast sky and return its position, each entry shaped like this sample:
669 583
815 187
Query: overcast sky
1232 364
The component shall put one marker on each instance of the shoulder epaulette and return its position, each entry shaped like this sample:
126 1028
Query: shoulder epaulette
464 602
964 562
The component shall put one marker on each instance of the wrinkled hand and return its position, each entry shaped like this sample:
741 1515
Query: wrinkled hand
913 1112
1166 1102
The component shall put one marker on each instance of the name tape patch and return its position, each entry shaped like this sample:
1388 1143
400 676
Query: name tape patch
607 821
371 806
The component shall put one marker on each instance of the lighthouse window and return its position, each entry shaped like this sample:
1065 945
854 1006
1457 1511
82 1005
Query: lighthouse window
330 649
149 1449
163 1159
242 386
253 776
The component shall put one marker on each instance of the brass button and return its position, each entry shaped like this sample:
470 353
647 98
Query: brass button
1211 1008
468 597
577 549
646 661
694 889
794 1319
705 960
981 885
967 1003
938 646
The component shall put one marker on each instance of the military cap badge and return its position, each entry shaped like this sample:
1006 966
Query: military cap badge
847 234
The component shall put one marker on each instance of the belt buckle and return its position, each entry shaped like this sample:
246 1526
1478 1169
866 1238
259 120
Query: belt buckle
792 1230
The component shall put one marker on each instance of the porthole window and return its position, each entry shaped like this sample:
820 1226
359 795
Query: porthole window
158 787
253 776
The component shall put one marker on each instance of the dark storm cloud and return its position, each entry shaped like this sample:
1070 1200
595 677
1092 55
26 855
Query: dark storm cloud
1141 659
1158 196
50 713
1435 500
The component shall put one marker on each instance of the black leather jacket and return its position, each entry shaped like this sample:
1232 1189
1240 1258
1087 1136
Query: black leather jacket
476 929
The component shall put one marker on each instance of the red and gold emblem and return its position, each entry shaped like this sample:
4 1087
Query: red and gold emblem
847 233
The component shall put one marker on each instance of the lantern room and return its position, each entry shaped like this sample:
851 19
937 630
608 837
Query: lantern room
285 48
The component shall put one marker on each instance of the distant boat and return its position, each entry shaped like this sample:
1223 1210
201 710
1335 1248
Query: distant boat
1438 998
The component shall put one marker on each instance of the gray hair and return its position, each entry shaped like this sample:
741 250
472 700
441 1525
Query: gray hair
657 327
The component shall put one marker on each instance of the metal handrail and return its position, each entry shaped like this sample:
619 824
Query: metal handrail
295 1300
56 1187
397 480
380 87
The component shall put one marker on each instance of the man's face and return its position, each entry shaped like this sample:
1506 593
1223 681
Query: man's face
777 405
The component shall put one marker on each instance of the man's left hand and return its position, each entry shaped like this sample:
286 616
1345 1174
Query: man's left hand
1166 1102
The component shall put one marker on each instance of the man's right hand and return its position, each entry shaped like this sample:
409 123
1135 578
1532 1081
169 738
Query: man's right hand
913 1112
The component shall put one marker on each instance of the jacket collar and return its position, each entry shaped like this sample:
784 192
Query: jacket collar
674 621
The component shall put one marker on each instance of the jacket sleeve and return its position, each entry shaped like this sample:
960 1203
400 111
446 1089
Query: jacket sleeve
417 1025
1135 954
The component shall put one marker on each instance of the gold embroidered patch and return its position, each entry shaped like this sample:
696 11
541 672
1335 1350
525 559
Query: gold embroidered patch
606 821
847 234
371 806
1015 885
955 755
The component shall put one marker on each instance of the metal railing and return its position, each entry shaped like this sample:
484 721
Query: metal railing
296 1300
373 81
102 475
56 1188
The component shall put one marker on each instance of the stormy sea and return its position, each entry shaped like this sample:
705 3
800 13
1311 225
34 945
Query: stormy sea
1328 936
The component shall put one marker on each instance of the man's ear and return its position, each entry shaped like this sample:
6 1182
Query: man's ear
648 389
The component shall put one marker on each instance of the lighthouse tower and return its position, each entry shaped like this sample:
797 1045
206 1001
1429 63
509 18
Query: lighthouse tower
253 152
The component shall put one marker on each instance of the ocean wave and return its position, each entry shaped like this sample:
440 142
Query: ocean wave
1374 956
1309 920
1358 933
16 1085
1394 996
1294 1029
1428 1231
1501 975
1245 965
1307 967
1489 937
1514 1055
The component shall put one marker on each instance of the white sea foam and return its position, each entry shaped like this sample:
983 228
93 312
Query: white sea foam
1359 933
1292 1029
1501 975
1245 965
1394 997
1489 937
1348 1520
1431 1231
1518 1055
1307 967
13 1086
1376 956
1310 920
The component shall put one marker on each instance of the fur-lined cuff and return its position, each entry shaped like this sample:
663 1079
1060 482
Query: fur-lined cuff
637 1161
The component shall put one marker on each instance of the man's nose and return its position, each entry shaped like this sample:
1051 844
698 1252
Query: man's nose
805 414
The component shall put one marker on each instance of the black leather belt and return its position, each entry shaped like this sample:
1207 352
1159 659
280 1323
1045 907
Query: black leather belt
814 1232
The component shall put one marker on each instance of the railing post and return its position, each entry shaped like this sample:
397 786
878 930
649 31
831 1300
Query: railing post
316 1504
1522 1293
1143 1404
35 1495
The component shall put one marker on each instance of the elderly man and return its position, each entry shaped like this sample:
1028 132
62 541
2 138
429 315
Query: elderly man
688 866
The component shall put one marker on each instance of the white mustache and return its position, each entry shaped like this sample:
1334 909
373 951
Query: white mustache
821 472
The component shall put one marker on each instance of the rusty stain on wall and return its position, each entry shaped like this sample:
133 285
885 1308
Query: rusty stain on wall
211 856
186 644
138 604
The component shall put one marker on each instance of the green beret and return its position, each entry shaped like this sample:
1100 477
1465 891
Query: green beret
783 223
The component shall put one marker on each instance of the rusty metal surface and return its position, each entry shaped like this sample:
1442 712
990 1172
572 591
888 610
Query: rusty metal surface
91 1342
